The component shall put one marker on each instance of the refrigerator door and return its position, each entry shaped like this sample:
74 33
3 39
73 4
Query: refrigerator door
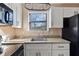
74 28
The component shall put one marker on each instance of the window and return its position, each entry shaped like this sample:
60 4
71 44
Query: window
38 20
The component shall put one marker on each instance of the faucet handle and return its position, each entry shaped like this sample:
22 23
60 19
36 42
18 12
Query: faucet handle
0 38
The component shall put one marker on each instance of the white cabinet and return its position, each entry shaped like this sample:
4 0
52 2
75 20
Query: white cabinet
50 49
37 49
60 49
70 11
14 14
56 17
60 52
17 15
76 10
8 4
60 46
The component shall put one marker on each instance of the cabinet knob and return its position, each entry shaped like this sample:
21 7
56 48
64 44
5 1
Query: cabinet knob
38 54
75 12
60 54
60 46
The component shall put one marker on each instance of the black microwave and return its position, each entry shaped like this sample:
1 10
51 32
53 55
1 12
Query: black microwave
6 14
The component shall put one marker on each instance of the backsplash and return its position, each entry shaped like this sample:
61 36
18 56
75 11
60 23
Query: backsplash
8 30
51 33
12 32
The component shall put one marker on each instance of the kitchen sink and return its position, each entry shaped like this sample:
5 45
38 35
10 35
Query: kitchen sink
39 39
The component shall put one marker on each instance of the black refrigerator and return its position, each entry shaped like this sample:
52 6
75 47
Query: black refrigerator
70 32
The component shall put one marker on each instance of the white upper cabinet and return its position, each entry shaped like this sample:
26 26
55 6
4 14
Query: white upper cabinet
56 17
70 11
14 8
17 15
76 10
8 4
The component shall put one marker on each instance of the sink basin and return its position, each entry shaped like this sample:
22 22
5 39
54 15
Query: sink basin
39 39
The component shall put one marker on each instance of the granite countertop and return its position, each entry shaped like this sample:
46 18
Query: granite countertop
51 40
16 41
28 40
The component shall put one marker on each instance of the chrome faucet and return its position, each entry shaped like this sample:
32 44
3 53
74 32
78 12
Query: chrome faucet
0 39
1 49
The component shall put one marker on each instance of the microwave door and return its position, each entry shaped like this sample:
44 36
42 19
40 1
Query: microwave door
6 16
1 15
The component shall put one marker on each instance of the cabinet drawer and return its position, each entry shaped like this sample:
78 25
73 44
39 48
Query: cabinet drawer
60 53
60 46
38 46
37 52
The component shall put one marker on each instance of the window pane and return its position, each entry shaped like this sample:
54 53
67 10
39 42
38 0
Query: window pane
37 16
38 21
40 25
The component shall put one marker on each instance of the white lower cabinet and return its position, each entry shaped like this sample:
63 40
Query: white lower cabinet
37 50
60 49
60 46
60 52
46 49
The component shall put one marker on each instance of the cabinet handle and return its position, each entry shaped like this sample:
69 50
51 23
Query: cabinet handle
60 46
60 54
75 12
38 54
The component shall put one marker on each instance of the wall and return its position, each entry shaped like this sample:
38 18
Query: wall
8 30
24 32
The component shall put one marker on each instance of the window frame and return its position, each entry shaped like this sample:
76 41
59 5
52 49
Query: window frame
37 11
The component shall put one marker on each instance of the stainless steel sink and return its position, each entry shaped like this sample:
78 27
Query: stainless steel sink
39 39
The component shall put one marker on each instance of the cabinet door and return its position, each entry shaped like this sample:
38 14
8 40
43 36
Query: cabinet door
8 4
14 8
76 10
17 11
37 50
60 49
19 15
68 12
60 46
60 52
57 17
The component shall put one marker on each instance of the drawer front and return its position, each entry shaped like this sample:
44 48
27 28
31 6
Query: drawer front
30 52
60 46
38 46
36 52
37 49
60 53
